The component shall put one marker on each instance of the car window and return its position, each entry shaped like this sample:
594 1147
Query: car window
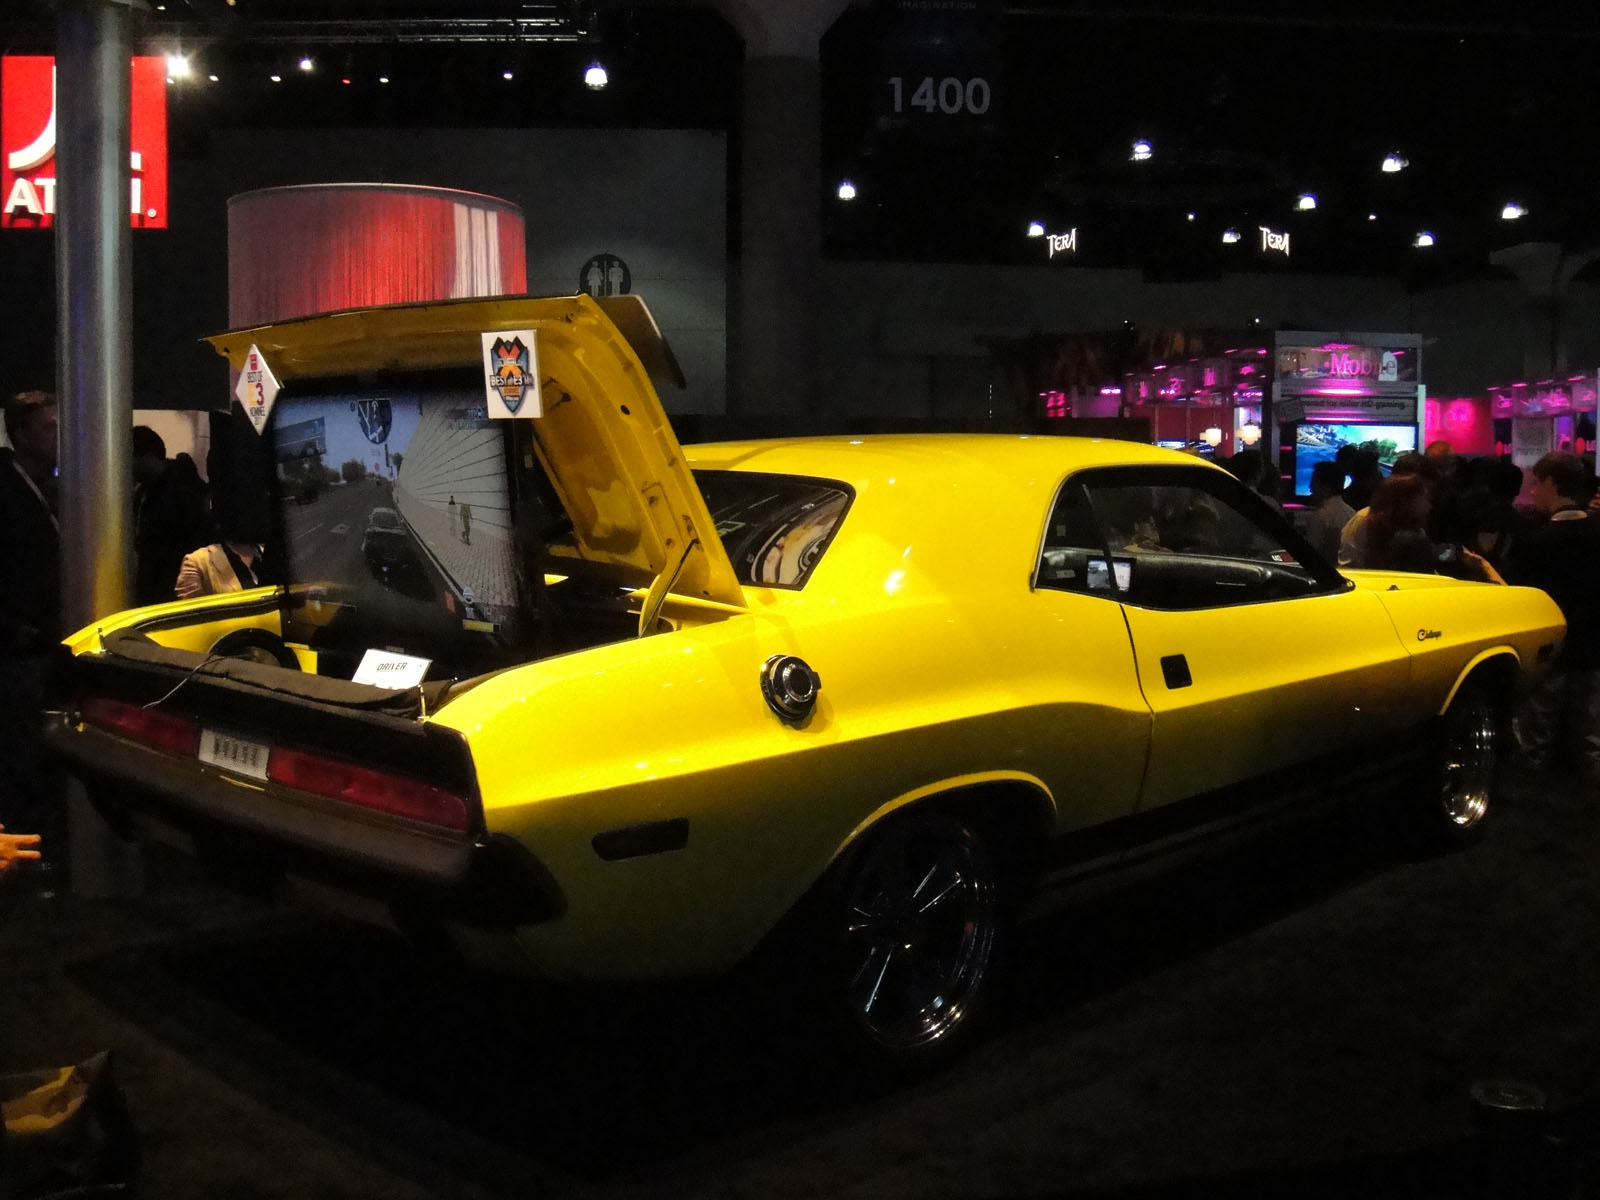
1175 538
774 528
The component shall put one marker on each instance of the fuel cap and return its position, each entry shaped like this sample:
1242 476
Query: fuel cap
790 686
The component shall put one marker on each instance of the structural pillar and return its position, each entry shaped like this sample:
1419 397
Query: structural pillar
94 357
775 325
1545 271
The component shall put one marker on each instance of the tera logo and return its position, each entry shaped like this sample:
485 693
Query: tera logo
28 141
1274 241
1063 243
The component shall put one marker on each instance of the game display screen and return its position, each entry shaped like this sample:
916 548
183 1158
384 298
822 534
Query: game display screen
395 514
1319 441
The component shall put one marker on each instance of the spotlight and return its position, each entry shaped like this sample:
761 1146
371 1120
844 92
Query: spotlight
1512 211
1230 236
1035 228
847 190
1393 162
307 65
1424 239
1141 151
178 66
1306 202
595 76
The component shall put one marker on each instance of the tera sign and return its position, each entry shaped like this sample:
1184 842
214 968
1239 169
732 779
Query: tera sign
28 143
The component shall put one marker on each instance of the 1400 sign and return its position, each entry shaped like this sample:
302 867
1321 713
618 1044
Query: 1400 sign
949 95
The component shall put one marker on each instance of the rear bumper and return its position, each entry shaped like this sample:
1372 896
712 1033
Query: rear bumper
261 831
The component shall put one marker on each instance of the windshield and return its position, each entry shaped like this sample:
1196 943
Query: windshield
774 528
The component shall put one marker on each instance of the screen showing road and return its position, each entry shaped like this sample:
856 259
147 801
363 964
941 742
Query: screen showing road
396 516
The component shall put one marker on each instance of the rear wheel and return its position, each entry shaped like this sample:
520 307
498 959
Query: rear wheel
911 932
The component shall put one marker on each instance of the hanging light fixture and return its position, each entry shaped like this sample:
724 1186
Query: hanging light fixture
1393 162
595 77
1512 211
1424 240
1250 433
1035 228
1212 436
1306 202
1142 151
847 190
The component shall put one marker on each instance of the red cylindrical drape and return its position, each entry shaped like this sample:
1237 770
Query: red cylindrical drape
294 251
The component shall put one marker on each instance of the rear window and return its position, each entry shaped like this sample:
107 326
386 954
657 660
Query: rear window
775 528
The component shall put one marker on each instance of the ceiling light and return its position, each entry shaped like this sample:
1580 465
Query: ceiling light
306 64
1306 202
275 78
1230 236
178 66
847 190
1189 217
595 76
1035 228
1424 240
1372 216
383 79
212 78
345 80
1393 162
1512 211
508 74
1141 151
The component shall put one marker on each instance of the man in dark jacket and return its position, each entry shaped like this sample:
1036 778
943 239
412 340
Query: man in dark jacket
1562 556
169 516
30 611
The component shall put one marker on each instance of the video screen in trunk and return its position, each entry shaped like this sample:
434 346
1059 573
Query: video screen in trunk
395 513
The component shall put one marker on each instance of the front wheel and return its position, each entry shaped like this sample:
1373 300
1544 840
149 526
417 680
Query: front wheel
911 932
1467 769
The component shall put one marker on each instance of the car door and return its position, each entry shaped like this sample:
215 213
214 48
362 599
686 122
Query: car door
1254 656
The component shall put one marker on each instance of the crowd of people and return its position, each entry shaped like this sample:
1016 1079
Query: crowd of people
187 541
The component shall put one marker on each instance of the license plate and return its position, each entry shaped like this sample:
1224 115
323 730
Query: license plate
232 753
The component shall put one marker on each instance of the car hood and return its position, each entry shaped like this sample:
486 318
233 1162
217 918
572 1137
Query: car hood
638 516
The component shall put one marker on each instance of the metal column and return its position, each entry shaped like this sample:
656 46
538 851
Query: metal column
94 360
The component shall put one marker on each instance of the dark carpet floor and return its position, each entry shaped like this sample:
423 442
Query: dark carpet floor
1304 1017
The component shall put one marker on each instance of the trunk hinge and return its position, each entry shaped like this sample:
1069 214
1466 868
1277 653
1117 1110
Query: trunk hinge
664 582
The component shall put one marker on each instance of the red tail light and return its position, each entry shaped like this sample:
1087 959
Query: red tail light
167 731
393 794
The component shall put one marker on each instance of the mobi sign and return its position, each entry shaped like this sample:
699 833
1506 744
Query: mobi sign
28 143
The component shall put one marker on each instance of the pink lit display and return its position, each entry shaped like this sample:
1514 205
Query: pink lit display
1466 422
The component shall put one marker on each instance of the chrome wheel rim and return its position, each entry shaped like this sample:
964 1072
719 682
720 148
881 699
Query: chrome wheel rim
1469 766
920 920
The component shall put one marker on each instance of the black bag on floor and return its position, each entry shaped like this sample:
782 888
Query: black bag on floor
66 1133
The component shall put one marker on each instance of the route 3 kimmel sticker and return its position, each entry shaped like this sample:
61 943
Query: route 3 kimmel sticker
511 374
257 389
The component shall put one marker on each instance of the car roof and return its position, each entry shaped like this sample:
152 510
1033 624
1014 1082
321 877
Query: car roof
868 458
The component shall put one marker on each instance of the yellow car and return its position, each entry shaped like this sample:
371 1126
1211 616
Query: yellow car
637 709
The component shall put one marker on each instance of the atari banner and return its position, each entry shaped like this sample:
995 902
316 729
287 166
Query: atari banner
28 143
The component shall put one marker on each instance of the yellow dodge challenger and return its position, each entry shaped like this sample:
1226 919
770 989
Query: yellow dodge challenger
608 707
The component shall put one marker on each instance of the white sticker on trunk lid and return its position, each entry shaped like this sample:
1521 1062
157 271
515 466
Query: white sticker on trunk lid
384 669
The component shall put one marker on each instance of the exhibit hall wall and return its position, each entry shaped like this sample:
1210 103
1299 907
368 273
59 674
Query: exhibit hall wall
897 341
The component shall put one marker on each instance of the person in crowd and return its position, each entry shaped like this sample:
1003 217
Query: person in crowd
1365 472
238 560
1329 513
1353 537
1561 715
1253 469
30 610
169 508
17 847
1398 537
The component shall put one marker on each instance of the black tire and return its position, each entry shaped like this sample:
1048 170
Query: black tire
1464 783
909 929
256 645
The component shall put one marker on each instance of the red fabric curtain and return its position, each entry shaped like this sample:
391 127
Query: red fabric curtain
296 251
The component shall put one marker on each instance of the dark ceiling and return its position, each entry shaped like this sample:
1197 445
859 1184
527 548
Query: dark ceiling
1028 113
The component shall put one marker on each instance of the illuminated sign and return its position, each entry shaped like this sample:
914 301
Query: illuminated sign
28 142
1275 241
1338 360
1062 243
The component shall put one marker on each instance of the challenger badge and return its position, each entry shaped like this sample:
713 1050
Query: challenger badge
511 374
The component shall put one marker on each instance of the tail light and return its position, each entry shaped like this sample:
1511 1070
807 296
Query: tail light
155 727
396 795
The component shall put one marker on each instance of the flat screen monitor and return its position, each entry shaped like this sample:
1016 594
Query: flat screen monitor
395 517
1319 441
